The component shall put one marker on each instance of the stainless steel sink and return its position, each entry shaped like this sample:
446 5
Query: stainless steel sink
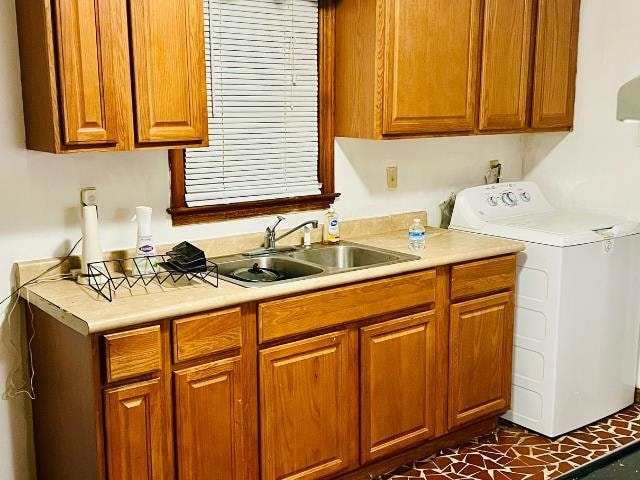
346 256
288 268
317 261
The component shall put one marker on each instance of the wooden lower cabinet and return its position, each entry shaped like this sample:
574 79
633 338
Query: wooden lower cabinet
480 358
308 407
209 421
137 431
397 385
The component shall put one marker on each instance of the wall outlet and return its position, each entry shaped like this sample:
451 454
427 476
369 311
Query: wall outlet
392 177
88 196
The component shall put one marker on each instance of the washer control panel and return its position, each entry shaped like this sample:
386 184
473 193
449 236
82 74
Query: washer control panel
507 195
502 200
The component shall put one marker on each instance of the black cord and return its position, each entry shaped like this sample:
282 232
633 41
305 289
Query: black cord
33 280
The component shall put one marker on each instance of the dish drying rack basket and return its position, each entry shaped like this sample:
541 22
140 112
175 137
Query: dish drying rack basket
106 276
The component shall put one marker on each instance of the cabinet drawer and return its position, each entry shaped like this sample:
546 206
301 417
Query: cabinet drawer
484 276
203 335
131 353
281 318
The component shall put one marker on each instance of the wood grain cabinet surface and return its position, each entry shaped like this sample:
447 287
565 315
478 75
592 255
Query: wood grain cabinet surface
398 384
308 408
208 406
341 399
407 68
112 75
138 442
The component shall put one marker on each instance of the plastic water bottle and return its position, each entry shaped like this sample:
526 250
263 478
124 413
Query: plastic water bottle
417 235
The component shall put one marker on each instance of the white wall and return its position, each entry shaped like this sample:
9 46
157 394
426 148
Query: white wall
597 167
39 213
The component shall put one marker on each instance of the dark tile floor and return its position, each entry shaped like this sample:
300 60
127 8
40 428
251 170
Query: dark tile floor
512 453
626 467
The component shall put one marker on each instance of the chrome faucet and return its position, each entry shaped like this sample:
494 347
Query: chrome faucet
270 234
270 239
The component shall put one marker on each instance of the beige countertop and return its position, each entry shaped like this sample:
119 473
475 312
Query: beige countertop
85 311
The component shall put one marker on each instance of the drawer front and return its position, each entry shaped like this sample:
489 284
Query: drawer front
203 335
132 353
484 276
281 318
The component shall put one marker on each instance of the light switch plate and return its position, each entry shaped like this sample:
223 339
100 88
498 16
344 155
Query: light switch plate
392 177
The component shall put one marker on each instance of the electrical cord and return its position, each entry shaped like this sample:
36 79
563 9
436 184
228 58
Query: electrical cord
35 279
26 386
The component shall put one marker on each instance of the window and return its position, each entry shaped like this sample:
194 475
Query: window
270 95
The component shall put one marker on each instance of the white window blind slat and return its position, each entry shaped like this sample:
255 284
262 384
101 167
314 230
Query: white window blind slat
262 93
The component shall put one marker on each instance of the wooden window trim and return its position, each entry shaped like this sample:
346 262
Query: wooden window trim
183 215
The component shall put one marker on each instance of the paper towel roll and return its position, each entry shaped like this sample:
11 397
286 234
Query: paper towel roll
91 249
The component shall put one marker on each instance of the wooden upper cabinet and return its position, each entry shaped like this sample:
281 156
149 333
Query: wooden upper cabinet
409 68
88 116
167 45
430 64
506 55
555 63
77 74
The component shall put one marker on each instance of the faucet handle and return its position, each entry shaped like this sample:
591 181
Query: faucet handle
272 228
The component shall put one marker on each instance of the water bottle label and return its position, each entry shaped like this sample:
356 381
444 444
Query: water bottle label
416 235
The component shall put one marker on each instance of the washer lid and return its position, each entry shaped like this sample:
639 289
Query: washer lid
560 228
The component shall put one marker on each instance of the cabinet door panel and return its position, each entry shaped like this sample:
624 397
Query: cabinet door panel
88 117
555 65
308 408
481 345
167 45
209 421
397 386
431 55
138 433
506 54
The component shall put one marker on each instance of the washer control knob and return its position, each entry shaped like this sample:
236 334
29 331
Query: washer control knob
492 200
525 196
509 199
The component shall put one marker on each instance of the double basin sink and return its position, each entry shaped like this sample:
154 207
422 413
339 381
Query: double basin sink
317 261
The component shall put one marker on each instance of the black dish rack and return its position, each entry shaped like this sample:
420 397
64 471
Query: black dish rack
184 261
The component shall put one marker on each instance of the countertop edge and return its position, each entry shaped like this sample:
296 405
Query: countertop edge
241 295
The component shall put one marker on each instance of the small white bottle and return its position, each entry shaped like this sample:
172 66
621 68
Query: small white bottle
144 244
331 234
417 235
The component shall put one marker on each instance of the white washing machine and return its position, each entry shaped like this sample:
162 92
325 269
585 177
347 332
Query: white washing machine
577 298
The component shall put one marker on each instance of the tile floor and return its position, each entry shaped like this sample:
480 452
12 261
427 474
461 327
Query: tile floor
512 453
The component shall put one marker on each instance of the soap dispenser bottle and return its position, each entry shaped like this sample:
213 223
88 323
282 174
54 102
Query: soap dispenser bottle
145 261
331 234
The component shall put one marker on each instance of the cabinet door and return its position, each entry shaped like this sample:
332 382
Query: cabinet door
88 116
308 408
209 422
481 345
555 63
167 46
431 60
506 54
138 433
397 386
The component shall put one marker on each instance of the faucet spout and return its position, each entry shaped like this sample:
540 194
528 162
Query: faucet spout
313 223
270 239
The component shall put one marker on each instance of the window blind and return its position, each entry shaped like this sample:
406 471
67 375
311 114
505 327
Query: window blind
262 94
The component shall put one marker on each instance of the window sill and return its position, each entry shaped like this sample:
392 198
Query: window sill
211 213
